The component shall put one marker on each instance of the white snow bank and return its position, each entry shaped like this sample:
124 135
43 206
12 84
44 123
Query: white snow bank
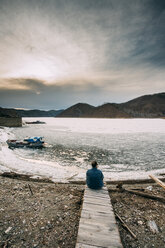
9 161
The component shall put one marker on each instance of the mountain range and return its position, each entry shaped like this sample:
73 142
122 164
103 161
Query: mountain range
4 112
38 113
147 106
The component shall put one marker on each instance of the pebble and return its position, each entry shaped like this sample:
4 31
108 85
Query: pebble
49 226
149 188
8 229
60 219
140 222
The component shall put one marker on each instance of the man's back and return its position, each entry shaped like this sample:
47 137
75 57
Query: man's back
94 178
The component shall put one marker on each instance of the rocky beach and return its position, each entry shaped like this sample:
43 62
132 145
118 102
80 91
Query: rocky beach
34 214
44 214
143 216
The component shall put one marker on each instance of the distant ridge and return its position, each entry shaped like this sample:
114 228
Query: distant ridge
83 110
147 106
38 113
5 112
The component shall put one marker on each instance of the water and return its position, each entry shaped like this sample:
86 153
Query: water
117 144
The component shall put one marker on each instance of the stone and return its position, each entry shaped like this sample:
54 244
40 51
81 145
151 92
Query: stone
8 229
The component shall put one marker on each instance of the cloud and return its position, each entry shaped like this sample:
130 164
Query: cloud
63 51
61 38
118 87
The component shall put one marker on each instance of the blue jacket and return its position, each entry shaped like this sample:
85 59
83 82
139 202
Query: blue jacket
94 178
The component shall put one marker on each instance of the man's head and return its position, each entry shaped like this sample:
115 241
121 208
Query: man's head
94 164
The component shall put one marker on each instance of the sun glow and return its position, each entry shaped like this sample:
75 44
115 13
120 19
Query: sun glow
33 68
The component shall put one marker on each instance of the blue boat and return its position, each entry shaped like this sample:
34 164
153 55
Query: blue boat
31 142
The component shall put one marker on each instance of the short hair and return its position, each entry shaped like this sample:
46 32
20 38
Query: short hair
94 164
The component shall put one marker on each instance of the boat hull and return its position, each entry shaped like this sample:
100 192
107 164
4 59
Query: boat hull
19 144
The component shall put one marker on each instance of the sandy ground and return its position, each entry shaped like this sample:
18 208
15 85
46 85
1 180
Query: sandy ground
46 217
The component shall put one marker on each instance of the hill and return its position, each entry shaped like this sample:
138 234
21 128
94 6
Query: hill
147 106
83 110
4 112
37 113
78 110
109 110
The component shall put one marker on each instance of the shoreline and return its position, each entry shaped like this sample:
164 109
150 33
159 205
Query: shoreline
31 178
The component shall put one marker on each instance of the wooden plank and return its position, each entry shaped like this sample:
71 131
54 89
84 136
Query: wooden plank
102 215
91 237
80 245
98 219
98 191
97 208
100 228
103 199
96 201
101 196
106 223
97 227
103 192
92 199
98 196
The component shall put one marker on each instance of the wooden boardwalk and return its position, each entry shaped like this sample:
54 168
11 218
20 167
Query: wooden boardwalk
97 227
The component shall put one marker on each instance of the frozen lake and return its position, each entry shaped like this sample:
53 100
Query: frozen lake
122 147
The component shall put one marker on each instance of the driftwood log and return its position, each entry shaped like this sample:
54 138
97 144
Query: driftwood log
158 181
30 190
132 181
153 197
123 223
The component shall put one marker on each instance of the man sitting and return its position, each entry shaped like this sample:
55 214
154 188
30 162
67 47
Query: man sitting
94 177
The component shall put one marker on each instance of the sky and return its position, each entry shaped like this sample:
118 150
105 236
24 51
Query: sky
56 53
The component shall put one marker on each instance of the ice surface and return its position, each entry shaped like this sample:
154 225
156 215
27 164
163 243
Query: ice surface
124 148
